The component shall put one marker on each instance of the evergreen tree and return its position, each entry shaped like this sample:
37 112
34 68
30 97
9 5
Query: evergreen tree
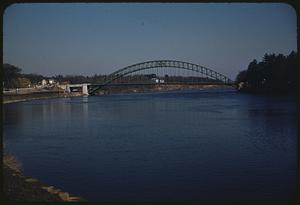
275 73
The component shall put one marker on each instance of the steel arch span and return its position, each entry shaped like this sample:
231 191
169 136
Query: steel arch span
162 64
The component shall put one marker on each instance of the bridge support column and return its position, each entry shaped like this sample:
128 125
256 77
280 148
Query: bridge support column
85 90
68 88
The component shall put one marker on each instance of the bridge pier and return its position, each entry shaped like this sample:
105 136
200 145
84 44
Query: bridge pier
78 88
85 90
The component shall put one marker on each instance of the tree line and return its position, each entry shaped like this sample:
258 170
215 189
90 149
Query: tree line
14 78
274 74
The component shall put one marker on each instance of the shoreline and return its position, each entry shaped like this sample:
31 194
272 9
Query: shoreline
156 88
18 187
14 98
7 99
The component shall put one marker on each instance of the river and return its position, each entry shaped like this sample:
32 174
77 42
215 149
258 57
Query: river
213 144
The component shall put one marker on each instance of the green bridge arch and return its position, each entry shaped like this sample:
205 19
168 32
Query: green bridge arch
162 64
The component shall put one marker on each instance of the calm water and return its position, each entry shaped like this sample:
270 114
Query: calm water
183 145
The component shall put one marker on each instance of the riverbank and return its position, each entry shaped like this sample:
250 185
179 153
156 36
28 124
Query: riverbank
18 187
156 88
12 98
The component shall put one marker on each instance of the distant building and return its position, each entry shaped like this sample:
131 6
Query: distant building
44 82
157 80
51 81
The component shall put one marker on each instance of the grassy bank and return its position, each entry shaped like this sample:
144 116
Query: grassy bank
17 187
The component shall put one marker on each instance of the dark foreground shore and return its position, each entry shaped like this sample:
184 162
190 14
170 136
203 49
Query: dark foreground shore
17 187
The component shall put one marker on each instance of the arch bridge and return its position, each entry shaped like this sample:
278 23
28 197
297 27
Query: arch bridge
161 72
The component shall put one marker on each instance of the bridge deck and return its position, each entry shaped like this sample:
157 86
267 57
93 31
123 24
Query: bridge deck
168 83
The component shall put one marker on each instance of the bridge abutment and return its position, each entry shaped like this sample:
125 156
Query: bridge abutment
78 88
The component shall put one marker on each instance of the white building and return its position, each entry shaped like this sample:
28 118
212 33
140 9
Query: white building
51 81
157 80
44 82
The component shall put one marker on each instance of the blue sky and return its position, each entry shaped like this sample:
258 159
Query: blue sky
99 38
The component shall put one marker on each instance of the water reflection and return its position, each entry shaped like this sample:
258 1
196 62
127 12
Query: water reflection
271 122
85 111
12 114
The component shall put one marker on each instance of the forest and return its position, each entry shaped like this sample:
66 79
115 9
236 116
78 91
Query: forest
14 78
274 74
